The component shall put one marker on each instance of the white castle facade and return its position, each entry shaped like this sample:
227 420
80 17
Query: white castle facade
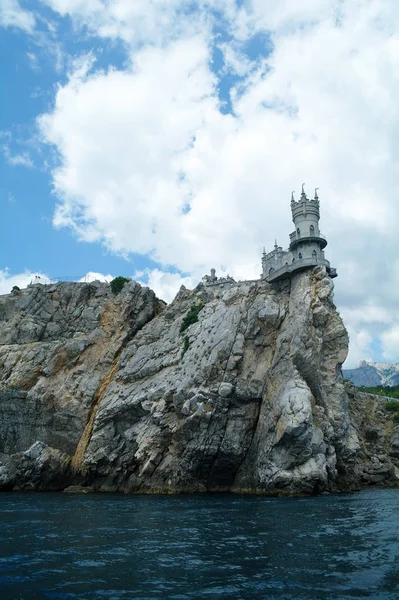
306 249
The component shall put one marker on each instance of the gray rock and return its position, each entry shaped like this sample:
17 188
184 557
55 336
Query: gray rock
225 389
42 468
256 403
394 444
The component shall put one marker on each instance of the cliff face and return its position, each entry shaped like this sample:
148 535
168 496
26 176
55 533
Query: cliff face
379 438
104 391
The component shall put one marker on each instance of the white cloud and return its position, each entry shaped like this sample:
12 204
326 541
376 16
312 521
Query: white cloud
390 342
165 285
13 15
21 280
33 61
93 276
149 164
369 324
134 22
360 346
17 160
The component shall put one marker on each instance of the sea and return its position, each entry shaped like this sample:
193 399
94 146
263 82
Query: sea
213 546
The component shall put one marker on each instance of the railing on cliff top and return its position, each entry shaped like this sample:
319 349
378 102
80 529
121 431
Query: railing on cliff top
68 279
374 396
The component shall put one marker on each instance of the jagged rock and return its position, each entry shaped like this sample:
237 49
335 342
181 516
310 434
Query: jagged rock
255 403
42 468
394 445
379 440
6 479
48 382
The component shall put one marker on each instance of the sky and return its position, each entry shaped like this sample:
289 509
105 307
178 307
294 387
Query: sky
156 140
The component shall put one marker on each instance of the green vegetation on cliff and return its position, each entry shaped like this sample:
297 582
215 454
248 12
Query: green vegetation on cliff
388 391
191 317
117 284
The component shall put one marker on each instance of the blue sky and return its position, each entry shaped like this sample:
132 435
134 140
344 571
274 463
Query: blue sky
32 68
159 140
30 74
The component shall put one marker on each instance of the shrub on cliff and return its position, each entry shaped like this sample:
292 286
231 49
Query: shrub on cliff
392 405
117 284
389 391
191 317
186 345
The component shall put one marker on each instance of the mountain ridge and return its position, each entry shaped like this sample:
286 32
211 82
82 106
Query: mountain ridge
373 374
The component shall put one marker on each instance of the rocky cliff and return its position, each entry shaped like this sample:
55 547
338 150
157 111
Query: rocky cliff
122 393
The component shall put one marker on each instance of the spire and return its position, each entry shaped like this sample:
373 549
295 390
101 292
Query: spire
316 197
303 195
292 197
275 244
264 250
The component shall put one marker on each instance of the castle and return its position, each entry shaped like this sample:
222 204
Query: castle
306 249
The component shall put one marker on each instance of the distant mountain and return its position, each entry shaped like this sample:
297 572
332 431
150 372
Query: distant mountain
372 374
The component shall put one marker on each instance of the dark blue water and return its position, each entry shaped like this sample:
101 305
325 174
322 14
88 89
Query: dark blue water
215 546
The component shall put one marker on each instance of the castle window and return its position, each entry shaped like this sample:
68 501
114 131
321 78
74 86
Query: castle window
312 230
300 255
293 260
298 232
314 254
271 270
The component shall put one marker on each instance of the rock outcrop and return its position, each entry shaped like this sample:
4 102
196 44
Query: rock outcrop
379 438
108 393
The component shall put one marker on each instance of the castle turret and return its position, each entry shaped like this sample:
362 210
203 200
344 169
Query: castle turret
306 215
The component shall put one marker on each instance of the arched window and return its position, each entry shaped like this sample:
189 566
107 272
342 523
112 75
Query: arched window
300 255
298 231
312 230
314 254
293 260
271 270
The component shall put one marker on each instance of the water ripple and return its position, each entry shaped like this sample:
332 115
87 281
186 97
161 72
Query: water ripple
56 546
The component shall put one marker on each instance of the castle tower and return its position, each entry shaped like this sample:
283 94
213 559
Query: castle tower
306 215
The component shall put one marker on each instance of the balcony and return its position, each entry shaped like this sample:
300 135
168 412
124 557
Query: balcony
296 239
300 265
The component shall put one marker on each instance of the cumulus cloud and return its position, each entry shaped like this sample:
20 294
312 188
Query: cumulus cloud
21 280
165 285
149 163
390 343
93 276
133 22
20 159
13 15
